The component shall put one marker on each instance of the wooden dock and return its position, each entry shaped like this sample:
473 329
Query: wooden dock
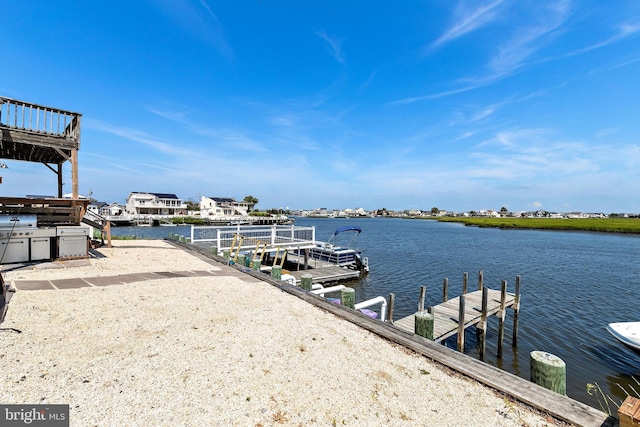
327 274
454 315
446 315
321 271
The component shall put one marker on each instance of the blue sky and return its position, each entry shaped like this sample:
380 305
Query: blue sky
460 105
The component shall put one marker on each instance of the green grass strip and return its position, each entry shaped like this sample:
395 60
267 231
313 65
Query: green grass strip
607 225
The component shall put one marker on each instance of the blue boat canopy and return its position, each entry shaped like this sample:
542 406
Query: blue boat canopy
341 229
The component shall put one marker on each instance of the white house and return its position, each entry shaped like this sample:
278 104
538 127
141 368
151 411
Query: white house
222 207
113 209
139 203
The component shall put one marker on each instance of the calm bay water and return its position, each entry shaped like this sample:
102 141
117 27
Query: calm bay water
573 285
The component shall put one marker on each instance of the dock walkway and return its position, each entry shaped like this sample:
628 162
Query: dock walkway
321 271
446 321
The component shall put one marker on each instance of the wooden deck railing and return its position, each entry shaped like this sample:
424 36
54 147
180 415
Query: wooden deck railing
49 211
39 119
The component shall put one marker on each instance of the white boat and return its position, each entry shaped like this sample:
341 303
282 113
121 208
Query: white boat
628 333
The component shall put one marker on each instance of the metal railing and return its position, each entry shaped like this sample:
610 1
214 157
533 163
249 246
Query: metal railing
222 237
39 119
318 289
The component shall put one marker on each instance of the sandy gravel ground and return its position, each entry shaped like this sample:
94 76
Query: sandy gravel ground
223 350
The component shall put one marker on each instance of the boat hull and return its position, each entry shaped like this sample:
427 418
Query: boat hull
628 333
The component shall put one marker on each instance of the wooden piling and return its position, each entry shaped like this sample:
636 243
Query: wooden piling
276 272
516 312
348 297
305 281
501 316
465 280
423 291
241 260
392 301
461 323
445 290
480 280
482 326
549 371
424 325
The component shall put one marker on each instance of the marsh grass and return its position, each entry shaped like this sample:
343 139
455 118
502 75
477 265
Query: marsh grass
607 225
606 402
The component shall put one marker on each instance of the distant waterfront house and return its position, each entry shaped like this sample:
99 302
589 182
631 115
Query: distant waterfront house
113 209
140 203
223 207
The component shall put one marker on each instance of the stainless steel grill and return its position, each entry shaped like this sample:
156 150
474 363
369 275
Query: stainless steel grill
21 240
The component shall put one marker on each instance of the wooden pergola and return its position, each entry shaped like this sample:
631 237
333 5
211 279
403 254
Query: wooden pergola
36 133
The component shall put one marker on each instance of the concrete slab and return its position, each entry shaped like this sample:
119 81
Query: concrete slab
70 283
137 277
104 281
204 273
33 285
77 263
48 265
170 274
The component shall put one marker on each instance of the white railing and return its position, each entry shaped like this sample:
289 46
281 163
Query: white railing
223 237
319 290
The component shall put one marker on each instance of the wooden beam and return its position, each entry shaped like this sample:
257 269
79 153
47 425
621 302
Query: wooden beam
74 174
60 183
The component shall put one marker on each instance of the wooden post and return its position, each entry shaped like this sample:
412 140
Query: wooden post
516 312
74 174
424 325
107 229
482 326
461 324
423 291
445 288
305 281
480 280
276 272
549 371
392 301
242 261
500 314
465 280
348 297
629 412
60 183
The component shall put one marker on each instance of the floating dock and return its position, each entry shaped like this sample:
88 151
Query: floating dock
270 244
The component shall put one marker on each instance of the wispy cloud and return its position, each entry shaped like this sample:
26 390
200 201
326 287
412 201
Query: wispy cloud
467 21
189 15
411 100
512 55
517 50
623 31
334 46
136 135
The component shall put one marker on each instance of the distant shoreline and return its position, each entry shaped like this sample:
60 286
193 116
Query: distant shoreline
603 225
